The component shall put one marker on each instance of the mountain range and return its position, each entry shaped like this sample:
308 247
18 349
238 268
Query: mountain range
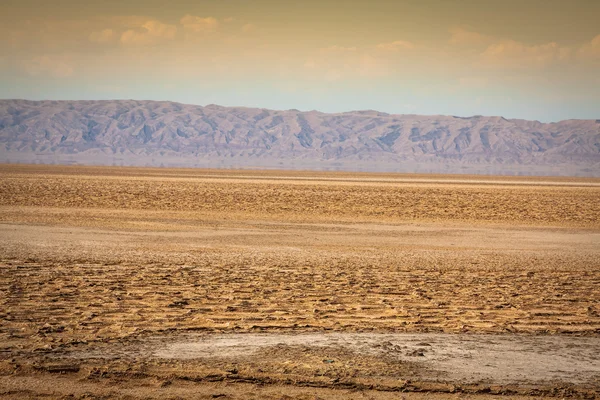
129 132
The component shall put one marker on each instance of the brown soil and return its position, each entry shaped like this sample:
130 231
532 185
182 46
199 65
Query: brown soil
100 259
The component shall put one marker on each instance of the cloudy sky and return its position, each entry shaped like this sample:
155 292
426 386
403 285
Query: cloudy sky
519 59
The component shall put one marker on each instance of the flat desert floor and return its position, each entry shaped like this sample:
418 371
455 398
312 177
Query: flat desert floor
179 283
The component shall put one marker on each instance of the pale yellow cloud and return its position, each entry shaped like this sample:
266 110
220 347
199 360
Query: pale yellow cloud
149 32
509 53
461 36
514 54
195 24
103 36
337 49
234 52
310 63
54 66
591 50
395 45
247 28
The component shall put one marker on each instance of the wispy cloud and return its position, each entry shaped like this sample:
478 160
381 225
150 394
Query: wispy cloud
395 45
195 24
590 50
507 52
337 49
104 36
514 54
247 28
462 36
150 32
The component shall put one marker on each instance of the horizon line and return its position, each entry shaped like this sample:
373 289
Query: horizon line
302 111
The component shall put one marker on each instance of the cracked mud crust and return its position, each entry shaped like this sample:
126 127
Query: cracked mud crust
290 284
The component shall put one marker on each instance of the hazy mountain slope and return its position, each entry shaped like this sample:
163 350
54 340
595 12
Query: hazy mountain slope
147 132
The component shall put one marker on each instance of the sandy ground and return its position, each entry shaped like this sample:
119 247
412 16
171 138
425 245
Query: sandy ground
199 283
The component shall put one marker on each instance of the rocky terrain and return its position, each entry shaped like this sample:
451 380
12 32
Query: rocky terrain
171 134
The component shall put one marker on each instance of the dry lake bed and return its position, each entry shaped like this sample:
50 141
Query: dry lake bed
180 283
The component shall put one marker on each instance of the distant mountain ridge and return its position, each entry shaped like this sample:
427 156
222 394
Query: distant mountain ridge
129 132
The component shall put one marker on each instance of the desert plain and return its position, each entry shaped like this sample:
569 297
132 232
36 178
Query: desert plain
180 283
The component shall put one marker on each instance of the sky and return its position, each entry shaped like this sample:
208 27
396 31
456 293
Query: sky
529 59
